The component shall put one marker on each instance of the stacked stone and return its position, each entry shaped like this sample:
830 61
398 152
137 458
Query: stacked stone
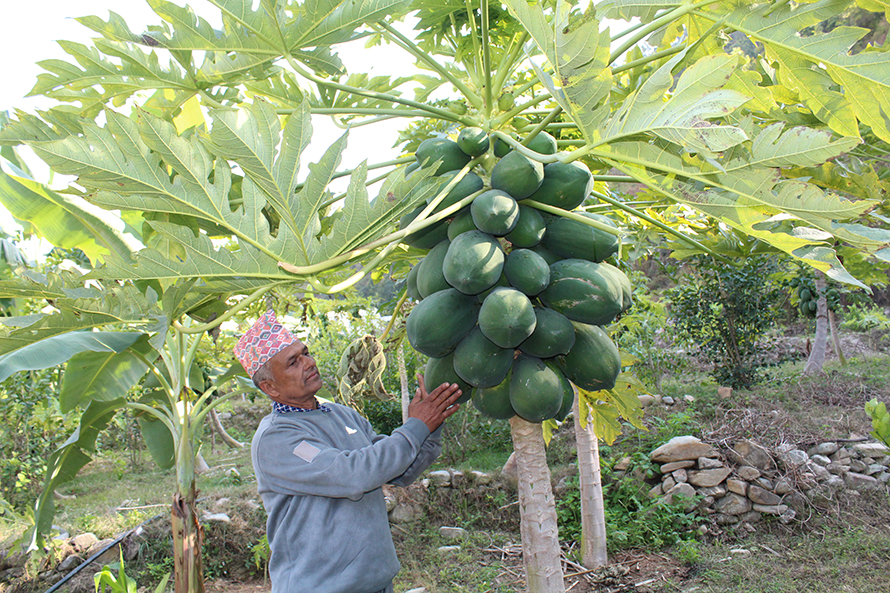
753 482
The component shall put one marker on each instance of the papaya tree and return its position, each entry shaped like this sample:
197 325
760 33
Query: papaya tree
194 134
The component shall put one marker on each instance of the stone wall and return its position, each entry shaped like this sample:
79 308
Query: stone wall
747 481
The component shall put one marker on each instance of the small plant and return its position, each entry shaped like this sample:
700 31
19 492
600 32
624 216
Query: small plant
121 583
864 318
261 555
880 420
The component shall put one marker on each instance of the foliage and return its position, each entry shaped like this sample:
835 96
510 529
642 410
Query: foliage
865 318
880 420
106 580
722 311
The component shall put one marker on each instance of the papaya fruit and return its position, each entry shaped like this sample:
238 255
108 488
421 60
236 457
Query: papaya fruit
411 283
461 223
430 278
502 281
474 262
494 212
568 398
469 183
426 238
517 175
582 291
623 281
593 363
529 229
537 391
441 370
550 257
480 362
565 185
507 317
554 334
543 143
572 239
494 402
527 271
444 151
425 328
805 294
473 141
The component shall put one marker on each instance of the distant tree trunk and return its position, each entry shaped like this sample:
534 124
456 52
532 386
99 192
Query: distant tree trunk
593 510
537 508
820 342
832 324
219 429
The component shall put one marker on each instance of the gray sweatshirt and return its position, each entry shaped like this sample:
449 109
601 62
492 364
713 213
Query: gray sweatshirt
320 475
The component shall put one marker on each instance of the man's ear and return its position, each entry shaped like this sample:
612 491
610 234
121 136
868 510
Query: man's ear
268 388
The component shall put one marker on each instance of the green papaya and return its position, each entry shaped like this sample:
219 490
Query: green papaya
411 283
474 262
529 229
527 271
494 212
441 370
554 335
550 257
593 363
502 281
426 238
480 362
583 291
473 141
494 402
507 317
543 143
537 391
424 327
469 183
447 152
430 278
565 185
568 398
805 294
623 281
572 239
461 223
517 175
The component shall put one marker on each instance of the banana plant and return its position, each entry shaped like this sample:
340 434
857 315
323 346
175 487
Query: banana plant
195 134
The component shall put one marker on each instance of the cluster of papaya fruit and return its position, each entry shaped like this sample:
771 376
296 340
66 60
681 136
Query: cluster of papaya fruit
510 301
808 296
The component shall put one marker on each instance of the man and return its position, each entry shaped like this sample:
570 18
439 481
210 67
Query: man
320 469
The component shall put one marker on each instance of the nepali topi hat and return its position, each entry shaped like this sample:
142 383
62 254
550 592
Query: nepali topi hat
265 338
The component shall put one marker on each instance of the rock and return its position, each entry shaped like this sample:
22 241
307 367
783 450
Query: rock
841 454
708 477
726 519
680 490
656 491
708 463
109 556
819 472
760 496
646 400
417 590
713 491
793 458
11 573
820 459
871 449
405 513
675 465
389 498
83 542
782 486
217 517
452 532
770 509
858 481
764 483
740 552
679 475
69 563
733 504
837 469
480 477
748 527
252 504
834 483
688 399
724 392
448 550
702 530
441 478
750 453
458 479
796 501
623 464
787 516
681 449
823 449
739 487
858 466
884 477
667 400
667 483
748 473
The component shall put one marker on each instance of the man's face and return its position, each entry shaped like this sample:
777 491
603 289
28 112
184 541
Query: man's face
295 378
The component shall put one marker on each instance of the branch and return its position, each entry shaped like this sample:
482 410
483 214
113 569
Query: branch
655 25
486 51
573 216
528 152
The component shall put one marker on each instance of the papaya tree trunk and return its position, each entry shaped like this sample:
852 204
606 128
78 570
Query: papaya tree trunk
537 508
593 509
832 325
820 342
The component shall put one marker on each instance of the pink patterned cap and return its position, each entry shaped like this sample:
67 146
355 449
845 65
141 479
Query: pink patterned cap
262 341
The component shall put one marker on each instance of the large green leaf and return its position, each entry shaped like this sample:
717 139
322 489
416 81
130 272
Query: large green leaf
158 441
65 221
55 350
104 375
64 464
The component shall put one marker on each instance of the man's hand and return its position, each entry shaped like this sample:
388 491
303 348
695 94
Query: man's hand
433 408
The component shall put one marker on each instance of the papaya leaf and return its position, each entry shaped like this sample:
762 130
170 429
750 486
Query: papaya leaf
103 375
799 146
